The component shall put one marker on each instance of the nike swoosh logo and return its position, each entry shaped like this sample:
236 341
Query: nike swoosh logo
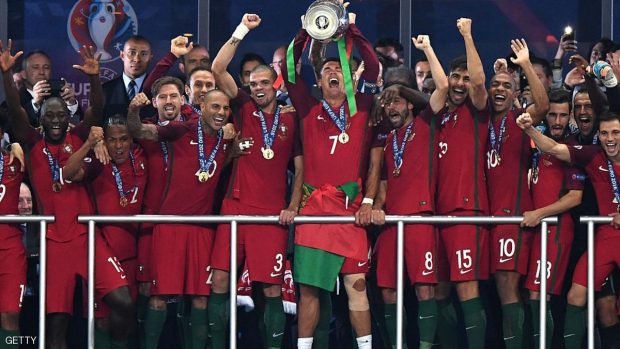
536 282
569 335
275 335
361 264
123 277
465 272
426 317
469 328
601 168
509 338
426 272
275 274
193 143
319 117
211 323
502 260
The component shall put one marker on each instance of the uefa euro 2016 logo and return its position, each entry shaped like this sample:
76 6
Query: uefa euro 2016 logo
104 24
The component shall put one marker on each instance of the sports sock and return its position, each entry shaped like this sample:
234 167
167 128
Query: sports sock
535 306
274 321
446 323
513 317
153 325
574 326
218 319
427 322
475 322
199 328
364 342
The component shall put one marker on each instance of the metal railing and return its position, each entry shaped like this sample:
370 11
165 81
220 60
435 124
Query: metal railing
235 220
591 221
43 220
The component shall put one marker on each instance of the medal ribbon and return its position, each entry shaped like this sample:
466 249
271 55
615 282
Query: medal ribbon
204 163
346 72
446 116
614 182
496 141
340 120
117 176
535 160
398 153
53 164
269 137
1 168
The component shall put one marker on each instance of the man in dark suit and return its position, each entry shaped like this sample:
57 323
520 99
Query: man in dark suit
36 74
136 56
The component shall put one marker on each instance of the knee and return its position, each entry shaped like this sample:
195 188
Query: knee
355 285
389 295
425 292
442 290
308 293
467 290
199 302
157 303
220 281
10 321
577 295
272 290
606 311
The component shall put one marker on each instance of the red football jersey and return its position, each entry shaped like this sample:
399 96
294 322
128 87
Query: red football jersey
256 181
121 237
507 172
413 190
462 143
184 193
9 200
72 200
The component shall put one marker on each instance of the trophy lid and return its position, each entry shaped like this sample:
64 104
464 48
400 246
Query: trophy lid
322 20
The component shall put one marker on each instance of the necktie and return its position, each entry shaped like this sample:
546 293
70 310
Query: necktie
131 90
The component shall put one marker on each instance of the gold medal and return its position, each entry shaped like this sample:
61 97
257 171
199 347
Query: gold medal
56 187
343 138
203 176
396 172
123 201
267 153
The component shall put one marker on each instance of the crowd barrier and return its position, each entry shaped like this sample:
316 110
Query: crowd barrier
235 220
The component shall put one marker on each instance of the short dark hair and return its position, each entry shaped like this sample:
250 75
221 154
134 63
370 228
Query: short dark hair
197 69
459 62
560 96
544 63
264 67
250 57
32 53
330 59
196 46
608 115
608 46
115 120
166 80
137 38
399 75
387 42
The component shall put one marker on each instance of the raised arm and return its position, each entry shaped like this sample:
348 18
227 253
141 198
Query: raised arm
367 52
90 66
136 128
178 47
439 96
223 79
73 170
477 90
544 143
539 108
297 90
19 116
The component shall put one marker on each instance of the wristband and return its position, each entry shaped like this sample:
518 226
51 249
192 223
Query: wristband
368 201
240 32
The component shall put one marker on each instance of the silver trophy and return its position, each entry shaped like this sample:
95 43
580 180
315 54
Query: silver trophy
326 20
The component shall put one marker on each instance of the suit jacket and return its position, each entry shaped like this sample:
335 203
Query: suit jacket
117 102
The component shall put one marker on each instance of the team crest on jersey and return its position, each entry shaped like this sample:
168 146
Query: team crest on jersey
142 165
104 24
68 148
12 170
283 132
